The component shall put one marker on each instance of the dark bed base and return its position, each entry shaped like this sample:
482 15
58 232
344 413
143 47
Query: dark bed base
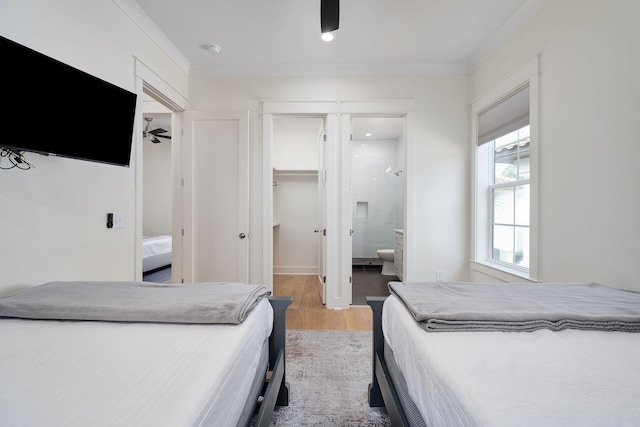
276 389
388 387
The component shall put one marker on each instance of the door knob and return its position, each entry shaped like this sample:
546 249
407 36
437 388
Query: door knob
242 235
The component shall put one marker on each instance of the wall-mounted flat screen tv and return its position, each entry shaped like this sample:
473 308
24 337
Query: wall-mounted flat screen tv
51 108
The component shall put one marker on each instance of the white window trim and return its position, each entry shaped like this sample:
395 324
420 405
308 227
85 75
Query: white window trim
528 72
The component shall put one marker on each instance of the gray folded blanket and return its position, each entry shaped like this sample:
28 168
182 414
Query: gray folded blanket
223 302
519 307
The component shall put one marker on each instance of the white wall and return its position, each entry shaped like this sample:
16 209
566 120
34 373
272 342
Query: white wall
440 149
157 188
294 242
589 146
53 217
295 143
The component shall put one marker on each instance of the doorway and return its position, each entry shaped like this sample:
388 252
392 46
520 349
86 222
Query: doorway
157 189
337 184
298 211
377 200
157 186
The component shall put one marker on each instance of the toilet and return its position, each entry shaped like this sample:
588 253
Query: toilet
387 256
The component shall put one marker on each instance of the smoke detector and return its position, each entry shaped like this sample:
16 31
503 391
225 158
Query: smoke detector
213 48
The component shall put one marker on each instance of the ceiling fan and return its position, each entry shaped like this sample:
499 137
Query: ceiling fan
154 134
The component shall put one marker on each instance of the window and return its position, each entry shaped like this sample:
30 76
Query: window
509 198
504 133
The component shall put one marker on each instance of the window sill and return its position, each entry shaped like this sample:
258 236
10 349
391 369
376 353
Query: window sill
500 272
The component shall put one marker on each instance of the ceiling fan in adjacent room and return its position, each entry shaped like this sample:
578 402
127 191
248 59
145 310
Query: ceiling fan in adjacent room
153 134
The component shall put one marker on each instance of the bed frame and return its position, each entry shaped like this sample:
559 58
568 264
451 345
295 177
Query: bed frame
276 389
386 389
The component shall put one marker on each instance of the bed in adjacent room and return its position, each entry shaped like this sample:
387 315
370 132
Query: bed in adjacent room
156 252
468 354
142 354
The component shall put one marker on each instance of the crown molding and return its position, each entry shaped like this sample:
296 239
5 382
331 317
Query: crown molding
146 24
324 69
519 19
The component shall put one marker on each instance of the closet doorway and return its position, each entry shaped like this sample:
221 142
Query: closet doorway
298 195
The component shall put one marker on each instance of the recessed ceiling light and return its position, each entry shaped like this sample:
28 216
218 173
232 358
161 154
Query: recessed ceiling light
327 37
367 134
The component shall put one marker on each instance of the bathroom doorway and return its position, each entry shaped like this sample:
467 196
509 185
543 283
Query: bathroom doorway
377 181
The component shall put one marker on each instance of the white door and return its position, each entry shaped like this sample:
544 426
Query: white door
215 161
322 222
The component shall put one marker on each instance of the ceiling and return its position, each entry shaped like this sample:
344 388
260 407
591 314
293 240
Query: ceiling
282 37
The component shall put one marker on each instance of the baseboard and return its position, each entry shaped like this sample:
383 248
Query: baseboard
295 270
359 262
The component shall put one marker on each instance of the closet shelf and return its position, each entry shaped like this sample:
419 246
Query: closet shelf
293 172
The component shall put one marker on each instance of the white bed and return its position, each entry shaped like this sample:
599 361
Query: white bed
156 252
80 373
542 378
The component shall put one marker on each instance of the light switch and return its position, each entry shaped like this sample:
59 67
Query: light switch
117 220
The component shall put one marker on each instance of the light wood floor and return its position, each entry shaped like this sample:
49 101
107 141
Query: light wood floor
308 312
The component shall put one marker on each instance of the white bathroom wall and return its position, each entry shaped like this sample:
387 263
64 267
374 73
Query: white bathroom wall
377 189
399 203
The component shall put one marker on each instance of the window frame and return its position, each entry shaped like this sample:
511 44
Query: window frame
481 209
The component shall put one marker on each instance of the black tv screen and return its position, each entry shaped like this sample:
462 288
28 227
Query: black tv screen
51 108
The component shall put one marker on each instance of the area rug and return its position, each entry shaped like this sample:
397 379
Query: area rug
328 374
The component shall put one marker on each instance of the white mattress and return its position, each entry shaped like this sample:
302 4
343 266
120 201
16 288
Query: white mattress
155 245
542 378
135 374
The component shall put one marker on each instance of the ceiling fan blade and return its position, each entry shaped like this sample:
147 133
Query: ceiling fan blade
155 140
163 136
157 131
329 15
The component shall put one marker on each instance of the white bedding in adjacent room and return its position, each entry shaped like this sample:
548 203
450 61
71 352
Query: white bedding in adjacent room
541 378
81 373
155 245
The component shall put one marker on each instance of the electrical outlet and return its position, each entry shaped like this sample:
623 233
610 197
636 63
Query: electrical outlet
117 220
438 276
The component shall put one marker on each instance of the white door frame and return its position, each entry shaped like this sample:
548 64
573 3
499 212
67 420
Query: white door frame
321 211
338 260
377 108
270 109
148 81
